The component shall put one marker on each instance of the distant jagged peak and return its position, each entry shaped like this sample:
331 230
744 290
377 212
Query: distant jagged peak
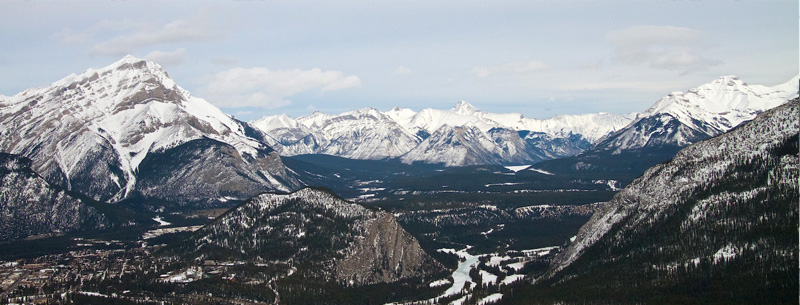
367 111
275 121
729 81
127 59
464 108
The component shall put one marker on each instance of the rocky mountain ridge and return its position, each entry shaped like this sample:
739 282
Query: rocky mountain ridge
438 136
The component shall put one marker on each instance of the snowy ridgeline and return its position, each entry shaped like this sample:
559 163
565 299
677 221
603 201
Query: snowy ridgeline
680 119
485 138
465 135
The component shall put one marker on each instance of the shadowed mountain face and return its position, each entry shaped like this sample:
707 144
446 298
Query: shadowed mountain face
105 134
716 224
30 206
316 232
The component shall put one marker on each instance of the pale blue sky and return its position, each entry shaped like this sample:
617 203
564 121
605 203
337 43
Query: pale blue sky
539 58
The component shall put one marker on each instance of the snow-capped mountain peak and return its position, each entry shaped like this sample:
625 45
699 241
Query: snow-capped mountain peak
726 98
124 111
681 118
464 108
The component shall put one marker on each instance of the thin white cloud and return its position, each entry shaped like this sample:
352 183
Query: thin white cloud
243 113
106 26
662 47
513 68
195 28
261 87
173 58
401 70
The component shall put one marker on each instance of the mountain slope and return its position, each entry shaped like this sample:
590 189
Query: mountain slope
92 132
370 134
454 146
361 134
716 224
29 206
318 233
675 121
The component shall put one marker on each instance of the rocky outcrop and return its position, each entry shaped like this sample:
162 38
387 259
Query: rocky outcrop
386 253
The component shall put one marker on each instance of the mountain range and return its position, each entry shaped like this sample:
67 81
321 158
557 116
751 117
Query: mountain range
713 220
460 136
465 135
128 133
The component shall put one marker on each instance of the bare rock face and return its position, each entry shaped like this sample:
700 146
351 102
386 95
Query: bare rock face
30 206
386 253
319 234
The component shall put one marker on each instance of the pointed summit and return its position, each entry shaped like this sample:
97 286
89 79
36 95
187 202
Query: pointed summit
464 108
129 59
727 81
